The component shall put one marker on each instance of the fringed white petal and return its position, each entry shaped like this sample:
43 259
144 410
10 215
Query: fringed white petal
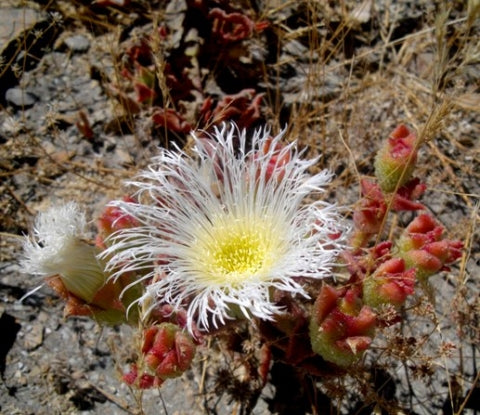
216 232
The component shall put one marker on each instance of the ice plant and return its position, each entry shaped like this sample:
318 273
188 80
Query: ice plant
230 27
341 327
167 352
369 214
422 246
57 247
111 220
391 283
396 159
218 232
58 252
243 108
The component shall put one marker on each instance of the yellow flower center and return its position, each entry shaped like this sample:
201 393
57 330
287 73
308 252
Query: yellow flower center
241 253
236 251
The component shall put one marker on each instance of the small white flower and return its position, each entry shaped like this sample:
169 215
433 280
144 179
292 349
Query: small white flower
56 17
219 231
56 248
12 126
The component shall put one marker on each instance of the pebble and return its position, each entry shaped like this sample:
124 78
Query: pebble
34 337
20 379
20 98
77 43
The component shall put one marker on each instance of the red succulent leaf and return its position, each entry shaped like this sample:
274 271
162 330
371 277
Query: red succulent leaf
131 377
163 341
113 218
149 336
401 142
369 215
184 350
167 350
364 322
146 380
425 263
83 125
168 367
404 198
230 27
421 231
265 360
171 119
447 251
144 92
262 25
426 225
325 303
380 250
396 159
422 246
243 108
391 283
412 190
354 344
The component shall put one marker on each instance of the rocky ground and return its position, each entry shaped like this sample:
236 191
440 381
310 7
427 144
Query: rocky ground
341 76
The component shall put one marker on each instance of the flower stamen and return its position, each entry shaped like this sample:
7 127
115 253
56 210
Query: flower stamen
236 251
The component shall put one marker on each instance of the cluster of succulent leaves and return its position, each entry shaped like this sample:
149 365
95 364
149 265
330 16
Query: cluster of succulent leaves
330 333
195 68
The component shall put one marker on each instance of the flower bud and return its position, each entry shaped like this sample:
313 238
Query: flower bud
341 326
422 247
58 248
369 215
71 267
395 161
389 284
167 352
112 219
145 381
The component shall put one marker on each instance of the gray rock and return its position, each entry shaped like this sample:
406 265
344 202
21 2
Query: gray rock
77 43
20 98
14 20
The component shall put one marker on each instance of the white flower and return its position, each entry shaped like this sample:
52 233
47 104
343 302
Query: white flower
56 248
220 230
12 126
